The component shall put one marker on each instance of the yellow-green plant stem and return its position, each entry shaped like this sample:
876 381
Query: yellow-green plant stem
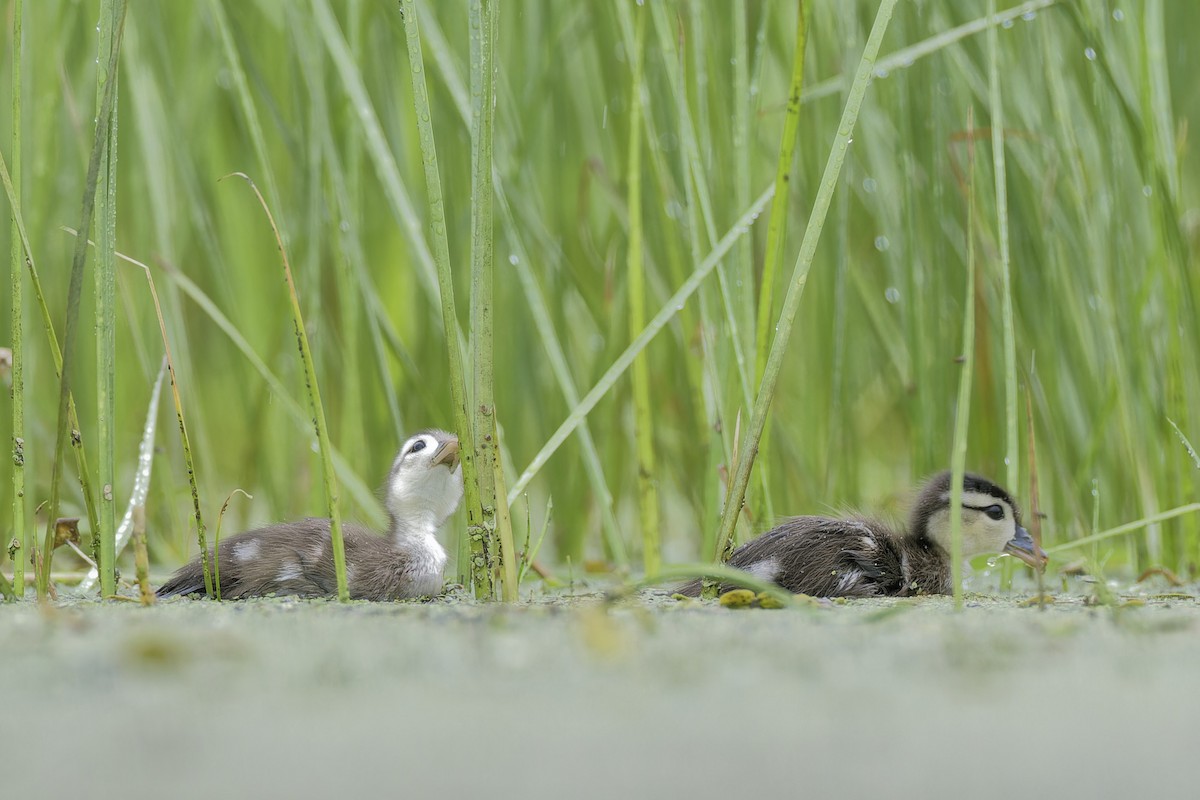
777 222
1128 527
1011 449
105 327
16 341
74 290
962 413
791 302
483 111
441 257
315 406
636 283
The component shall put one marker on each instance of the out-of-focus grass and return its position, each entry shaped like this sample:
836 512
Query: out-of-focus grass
1102 226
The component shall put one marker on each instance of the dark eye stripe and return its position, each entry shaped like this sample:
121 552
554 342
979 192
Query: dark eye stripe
995 511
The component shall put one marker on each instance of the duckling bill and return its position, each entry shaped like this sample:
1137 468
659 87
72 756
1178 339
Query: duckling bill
861 557
296 558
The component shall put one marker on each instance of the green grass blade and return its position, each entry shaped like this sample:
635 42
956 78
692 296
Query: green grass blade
962 409
17 309
636 284
105 327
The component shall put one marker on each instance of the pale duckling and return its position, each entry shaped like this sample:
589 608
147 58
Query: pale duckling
860 557
296 558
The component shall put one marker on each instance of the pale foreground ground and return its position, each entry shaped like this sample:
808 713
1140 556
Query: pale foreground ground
277 698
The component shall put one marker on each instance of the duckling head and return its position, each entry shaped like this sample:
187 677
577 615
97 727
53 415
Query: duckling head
426 483
991 521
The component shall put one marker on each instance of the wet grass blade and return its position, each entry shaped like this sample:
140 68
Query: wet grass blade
106 313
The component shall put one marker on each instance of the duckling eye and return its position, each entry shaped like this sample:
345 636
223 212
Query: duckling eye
417 446
994 512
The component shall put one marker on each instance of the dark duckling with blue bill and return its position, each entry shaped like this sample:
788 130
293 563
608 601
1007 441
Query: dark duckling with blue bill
862 557
296 558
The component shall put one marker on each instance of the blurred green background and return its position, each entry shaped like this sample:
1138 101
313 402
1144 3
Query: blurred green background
313 100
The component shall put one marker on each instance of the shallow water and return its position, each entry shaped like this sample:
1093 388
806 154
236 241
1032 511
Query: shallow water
570 698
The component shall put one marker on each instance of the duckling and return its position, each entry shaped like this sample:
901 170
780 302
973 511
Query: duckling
296 558
860 557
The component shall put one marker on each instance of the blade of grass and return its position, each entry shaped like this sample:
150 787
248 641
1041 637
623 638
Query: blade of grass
808 248
105 327
905 57
660 320
962 413
17 308
1011 451
74 290
315 406
141 479
643 424
1128 527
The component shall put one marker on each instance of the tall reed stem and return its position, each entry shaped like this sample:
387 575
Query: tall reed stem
106 286
1011 447
16 342
642 421
808 249
483 109
962 413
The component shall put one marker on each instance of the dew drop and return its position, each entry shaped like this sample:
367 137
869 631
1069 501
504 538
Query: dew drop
869 185
892 294
512 259
1029 16
1008 23
1147 191
1090 53
880 72
882 244
1118 15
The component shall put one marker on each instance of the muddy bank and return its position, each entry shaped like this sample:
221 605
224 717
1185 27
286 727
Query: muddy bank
288 698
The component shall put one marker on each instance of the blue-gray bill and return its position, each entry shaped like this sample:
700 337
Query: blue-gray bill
1021 546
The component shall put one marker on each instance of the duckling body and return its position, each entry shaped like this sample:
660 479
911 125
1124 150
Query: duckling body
296 558
861 557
